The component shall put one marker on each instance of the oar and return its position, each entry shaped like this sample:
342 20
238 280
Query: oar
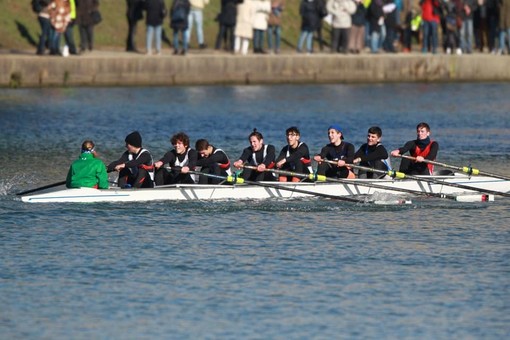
467 169
41 188
322 178
239 180
401 175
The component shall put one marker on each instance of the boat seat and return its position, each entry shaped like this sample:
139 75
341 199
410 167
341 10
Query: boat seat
443 172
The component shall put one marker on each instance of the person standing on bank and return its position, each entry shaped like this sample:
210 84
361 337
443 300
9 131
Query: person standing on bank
372 154
69 32
156 12
87 171
337 150
196 14
179 23
341 10
134 14
421 148
259 155
41 7
227 23
135 166
86 23
182 159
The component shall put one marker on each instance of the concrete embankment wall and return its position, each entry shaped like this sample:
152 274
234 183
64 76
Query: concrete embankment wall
123 69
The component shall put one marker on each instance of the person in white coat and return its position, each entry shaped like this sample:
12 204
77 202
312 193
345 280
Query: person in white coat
260 20
244 27
341 10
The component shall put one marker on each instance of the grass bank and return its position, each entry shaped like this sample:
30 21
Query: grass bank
19 28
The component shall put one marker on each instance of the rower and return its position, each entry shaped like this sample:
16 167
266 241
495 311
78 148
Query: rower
134 165
421 148
337 150
181 159
211 160
257 154
87 171
372 154
295 156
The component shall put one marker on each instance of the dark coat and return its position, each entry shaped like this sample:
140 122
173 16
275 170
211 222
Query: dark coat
84 8
375 11
134 10
228 12
179 22
312 12
156 12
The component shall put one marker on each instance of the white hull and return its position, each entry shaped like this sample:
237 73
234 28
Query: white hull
242 191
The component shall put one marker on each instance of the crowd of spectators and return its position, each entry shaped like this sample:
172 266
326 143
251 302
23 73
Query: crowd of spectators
356 26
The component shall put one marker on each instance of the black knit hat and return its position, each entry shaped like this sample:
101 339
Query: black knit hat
134 139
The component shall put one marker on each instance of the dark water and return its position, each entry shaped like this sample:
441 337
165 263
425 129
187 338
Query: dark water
251 269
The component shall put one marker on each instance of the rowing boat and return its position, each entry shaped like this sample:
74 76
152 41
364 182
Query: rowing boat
354 187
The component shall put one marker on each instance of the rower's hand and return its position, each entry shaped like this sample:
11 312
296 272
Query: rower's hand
158 164
238 164
184 169
280 163
261 167
120 167
395 153
356 160
340 163
317 158
420 159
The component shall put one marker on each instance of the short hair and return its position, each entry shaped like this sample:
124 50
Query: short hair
257 134
293 129
423 125
375 130
180 136
87 146
201 144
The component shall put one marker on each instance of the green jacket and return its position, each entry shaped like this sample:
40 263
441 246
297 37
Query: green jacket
87 171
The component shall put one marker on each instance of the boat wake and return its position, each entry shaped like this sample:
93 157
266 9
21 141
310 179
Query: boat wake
11 185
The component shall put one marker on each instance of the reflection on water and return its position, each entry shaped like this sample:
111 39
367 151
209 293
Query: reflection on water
307 268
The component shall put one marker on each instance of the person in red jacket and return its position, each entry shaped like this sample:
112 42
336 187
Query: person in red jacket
430 12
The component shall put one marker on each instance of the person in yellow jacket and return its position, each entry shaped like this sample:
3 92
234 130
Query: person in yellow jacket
69 32
87 171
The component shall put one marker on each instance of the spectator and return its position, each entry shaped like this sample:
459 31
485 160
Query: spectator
156 12
376 21
59 18
341 10
390 23
430 15
196 14
41 7
134 14
466 29
357 35
85 10
227 23
274 29
244 26
312 12
504 26
69 33
260 17
179 23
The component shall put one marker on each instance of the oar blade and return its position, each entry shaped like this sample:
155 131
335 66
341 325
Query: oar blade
475 198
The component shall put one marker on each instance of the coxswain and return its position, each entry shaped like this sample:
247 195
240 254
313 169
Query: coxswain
87 171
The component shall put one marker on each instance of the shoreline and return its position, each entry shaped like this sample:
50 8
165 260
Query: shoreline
118 68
